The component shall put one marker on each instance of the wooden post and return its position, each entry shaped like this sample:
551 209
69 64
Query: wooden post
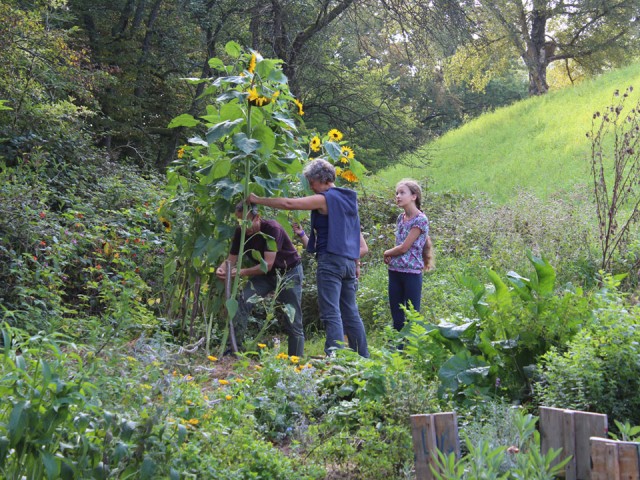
437 431
614 460
570 430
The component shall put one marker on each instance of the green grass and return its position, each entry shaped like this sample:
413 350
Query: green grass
538 144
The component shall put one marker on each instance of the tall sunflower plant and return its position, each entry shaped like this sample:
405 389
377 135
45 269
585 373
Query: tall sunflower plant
246 140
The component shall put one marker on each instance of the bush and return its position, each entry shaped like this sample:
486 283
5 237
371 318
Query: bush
599 371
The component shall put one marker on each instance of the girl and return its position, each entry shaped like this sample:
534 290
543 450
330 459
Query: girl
411 255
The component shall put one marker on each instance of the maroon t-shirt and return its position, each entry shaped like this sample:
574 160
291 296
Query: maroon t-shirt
286 254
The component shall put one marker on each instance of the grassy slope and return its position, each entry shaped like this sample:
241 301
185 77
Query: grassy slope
538 143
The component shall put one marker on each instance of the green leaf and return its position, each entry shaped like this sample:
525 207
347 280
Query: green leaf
545 272
147 469
215 170
51 464
182 434
232 306
233 49
334 150
3 106
4 450
216 64
501 297
17 422
245 144
198 141
221 129
228 189
289 122
184 120
169 269
267 139
271 185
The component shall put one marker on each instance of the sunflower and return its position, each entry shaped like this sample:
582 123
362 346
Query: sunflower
252 63
166 223
256 100
335 134
180 152
344 160
347 152
338 171
349 176
314 144
299 105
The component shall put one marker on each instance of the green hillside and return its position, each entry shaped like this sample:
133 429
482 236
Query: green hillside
538 143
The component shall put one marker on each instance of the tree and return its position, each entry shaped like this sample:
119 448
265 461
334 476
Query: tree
540 32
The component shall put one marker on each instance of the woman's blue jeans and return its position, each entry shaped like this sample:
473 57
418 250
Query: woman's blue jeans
336 280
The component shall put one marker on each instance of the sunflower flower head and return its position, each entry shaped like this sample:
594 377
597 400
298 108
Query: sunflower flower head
315 144
299 105
344 160
349 176
335 134
347 152
257 100
252 63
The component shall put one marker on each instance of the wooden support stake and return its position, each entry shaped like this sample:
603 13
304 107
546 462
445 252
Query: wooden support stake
438 431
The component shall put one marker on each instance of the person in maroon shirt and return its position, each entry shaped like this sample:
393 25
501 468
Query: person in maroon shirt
269 239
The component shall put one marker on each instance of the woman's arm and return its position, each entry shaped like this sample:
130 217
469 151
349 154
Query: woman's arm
298 230
311 202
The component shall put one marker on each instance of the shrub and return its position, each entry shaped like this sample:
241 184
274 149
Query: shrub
599 371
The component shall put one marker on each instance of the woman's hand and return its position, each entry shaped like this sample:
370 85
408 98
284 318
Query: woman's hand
253 198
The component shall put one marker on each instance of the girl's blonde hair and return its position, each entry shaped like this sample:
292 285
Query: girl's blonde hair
427 250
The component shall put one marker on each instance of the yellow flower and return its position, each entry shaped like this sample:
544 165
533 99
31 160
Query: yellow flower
180 152
338 171
349 176
282 356
239 380
166 223
257 367
222 381
175 373
335 134
344 160
315 144
194 421
299 105
189 402
347 152
275 95
257 100
188 378
294 359
228 397
252 63
212 358
262 345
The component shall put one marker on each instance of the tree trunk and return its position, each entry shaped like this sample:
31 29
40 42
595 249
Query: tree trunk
536 57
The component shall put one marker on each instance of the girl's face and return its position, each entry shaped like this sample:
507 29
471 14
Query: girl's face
404 197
